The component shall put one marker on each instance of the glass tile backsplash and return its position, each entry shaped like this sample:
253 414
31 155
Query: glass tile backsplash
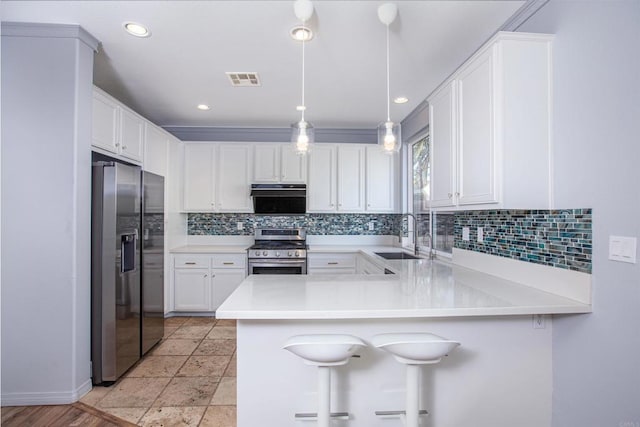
204 224
557 238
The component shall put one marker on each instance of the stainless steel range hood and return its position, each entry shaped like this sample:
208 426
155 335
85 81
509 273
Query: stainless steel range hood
279 199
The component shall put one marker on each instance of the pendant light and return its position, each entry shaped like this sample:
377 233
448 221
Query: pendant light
388 131
303 133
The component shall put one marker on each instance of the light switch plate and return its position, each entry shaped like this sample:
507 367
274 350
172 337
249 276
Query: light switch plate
371 226
465 234
622 248
480 235
240 225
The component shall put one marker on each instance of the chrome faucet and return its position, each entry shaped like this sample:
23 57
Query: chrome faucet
415 236
415 231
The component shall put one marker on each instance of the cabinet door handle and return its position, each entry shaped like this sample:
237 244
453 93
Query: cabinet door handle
205 275
124 147
189 263
449 195
457 194
227 263
332 263
117 145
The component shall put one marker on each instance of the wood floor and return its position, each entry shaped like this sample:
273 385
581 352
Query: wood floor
77 414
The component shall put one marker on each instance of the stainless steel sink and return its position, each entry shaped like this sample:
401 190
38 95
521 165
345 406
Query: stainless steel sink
395 255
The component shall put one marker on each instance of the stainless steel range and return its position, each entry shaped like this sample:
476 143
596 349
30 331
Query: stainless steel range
278 251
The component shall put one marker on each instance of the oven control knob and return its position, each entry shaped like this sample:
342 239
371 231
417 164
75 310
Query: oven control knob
257 253
289 253
297 253
264 253
277 253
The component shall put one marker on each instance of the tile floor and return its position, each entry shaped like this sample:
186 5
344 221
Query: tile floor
188 379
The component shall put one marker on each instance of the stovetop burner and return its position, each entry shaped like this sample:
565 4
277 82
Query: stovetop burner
279 243
268 244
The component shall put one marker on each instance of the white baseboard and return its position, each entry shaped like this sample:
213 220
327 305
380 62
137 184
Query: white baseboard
566 283
45 398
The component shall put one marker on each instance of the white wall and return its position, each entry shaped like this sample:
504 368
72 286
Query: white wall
46 180
596 128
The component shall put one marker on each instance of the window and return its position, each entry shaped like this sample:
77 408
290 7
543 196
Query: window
440 223
420 179
421 174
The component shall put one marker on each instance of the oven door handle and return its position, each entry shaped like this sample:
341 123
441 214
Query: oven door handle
275 264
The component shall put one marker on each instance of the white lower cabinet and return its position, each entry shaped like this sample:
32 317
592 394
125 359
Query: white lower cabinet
331 263
225 281
192 289
200 283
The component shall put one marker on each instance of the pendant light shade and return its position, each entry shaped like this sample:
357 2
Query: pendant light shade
302 136
389 135
302 132
389 138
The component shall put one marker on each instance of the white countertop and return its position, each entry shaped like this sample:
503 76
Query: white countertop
422 289
210 249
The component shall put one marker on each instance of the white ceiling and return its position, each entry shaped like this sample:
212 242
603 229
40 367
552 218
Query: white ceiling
194 43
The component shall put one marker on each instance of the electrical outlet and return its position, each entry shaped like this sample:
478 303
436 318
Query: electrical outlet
538 321
240 225
480 235
371 226
465 234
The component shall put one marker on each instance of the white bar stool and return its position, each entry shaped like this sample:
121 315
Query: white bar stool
324 351
413 349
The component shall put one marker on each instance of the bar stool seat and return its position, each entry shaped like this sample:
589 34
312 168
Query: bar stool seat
413 349
324 351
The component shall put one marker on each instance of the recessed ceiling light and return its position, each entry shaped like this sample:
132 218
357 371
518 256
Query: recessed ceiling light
401 100
136 29
203 107
300 33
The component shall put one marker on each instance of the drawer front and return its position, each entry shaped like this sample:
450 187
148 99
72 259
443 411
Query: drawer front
325 270
332 260
229 261
191 261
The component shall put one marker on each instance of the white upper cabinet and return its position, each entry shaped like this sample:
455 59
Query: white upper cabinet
442 121
156 147
117 129
381 180
293 167
350 178
105 122
476 142
278 163
489 125
266 165
216 177
321 188
131 135
199 182
233 178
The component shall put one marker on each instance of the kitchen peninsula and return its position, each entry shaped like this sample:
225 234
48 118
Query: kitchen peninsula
500 376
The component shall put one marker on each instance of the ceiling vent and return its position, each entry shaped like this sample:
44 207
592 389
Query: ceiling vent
243 79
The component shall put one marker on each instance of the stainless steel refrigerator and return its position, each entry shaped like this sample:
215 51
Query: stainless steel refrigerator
152 260
127 304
